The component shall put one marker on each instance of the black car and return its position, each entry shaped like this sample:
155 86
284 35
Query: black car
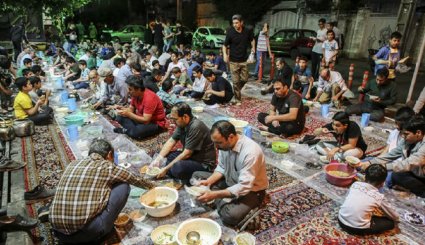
293 42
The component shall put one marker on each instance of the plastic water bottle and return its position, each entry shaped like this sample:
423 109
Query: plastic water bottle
115 158
247 131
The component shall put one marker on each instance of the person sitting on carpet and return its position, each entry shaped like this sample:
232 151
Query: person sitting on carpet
238 184
168 98
145 116
151 82
286 115
200 85
82 81
361 212
380 94
283 73
409 172
117 92
349 138
221 91
331 87
24 108
99 89
198 152
182 82
90 195
302 75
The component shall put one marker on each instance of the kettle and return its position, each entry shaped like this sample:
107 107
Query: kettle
24 128
6 129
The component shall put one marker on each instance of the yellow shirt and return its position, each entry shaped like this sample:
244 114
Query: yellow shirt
22 102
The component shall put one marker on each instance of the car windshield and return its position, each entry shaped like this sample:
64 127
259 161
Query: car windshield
217 31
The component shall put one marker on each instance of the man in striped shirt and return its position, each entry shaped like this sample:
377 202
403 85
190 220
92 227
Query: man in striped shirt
90 195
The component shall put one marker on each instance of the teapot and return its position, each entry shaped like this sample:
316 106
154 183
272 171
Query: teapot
6 129
24 128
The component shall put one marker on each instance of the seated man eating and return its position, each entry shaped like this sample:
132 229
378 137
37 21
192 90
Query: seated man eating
240 175
348 135
145 116
380 94
221 90
90 195
198 150
24 108
409 171
286 115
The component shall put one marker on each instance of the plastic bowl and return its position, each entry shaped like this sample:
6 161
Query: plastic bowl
74 120
337 180
369 129
244 238
239 124
209 231
153 172
152 200
164 235
280 147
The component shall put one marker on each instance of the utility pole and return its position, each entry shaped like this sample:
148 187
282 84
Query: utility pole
179 9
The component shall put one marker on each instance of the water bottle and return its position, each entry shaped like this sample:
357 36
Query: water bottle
115 158
247 131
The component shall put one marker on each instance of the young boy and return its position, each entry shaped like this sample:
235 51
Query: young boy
302 74
168 99
358 215
389 55
27 65
330 50
82 82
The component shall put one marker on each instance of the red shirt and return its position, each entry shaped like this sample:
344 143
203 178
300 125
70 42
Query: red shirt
150 104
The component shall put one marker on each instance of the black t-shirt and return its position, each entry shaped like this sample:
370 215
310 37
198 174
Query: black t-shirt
353 131
151 84
158 32
180 37
291 100
221 84
196 137
285 75
239 43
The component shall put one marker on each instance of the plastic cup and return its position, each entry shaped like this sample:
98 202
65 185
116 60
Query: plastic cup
324 110
72 131
365 120
64 97
72 104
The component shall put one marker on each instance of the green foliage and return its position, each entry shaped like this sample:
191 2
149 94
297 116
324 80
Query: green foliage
251 10
52 8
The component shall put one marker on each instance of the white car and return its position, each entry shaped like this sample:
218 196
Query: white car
207 36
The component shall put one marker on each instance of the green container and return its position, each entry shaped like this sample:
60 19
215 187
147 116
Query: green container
280 147
74 120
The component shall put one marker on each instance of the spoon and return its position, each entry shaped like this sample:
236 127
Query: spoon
193 238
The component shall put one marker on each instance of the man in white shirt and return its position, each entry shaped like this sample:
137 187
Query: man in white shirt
174 63
331 87
316 55
240 179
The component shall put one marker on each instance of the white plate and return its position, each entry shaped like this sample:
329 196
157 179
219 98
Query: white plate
411 220
324 159
195 190
368 128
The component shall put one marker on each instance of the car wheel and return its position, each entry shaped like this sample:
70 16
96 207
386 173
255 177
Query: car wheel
212 44
116 39
294 53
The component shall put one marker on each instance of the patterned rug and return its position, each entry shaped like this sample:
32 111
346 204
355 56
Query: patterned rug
277 177
46 154
325 230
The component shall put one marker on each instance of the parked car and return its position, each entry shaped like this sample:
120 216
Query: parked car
293 42
128 32
206 36
188 33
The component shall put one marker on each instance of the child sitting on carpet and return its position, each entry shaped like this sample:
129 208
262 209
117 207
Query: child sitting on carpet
359 213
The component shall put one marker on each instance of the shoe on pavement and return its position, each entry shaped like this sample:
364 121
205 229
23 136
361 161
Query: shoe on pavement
120 130
17 223
38 194
43 213
10 165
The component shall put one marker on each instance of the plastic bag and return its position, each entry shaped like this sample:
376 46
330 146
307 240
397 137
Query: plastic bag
402 68
251 58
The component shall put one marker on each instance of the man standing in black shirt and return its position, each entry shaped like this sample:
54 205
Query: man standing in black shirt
220 91
287 115
17 35
158 36
238 39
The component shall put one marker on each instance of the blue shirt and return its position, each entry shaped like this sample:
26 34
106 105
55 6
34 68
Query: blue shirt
302 75
220 64
190 69
383 54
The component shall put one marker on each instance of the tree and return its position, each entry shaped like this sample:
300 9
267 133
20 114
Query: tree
53 8
251 10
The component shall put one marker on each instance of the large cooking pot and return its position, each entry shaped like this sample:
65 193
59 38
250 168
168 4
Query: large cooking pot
6 129
24 128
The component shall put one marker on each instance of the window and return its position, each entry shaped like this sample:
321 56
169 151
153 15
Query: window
309 34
